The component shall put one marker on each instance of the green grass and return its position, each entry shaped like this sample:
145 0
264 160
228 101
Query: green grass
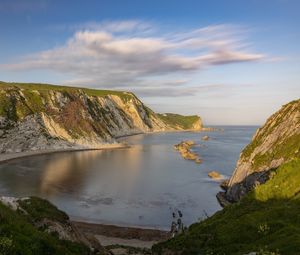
176 120
38 209
19 237
288 149
283 149
46 87
266 220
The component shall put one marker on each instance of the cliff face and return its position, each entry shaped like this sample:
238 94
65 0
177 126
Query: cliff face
40 116
275 143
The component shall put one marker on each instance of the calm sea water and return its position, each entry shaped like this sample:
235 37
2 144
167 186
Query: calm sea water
138 186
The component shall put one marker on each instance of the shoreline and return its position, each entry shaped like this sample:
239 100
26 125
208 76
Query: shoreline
5 157
110 235
124 232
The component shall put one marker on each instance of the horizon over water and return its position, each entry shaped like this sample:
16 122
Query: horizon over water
138 186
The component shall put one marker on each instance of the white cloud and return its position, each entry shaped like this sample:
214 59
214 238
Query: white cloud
126 54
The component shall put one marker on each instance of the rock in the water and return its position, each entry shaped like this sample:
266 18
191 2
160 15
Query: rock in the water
184 149
205 138
198 161
214 175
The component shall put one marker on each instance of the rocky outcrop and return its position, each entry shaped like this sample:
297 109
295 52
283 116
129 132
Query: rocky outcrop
215 175
41 116
205 138
184 149
276 142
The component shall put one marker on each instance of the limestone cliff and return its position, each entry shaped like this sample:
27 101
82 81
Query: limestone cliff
41 116
276 142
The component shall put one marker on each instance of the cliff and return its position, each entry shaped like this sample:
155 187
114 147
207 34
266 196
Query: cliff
42 116
276 142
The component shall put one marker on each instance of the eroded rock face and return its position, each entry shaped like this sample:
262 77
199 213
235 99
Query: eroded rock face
276 142
62 118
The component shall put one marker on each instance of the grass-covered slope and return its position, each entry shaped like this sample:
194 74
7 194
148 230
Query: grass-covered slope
275 143
20 236
266 221
277 139
180 121
46 87
285 148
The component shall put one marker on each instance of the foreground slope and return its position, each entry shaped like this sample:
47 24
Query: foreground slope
31 226
42 116
266 188
266 220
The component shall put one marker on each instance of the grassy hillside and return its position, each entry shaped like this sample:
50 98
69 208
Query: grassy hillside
19 236
45 87
176 120
279 124
266 221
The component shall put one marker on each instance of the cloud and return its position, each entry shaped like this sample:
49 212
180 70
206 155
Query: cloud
170 89
128 53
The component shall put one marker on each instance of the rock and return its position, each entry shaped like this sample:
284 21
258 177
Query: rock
238 190
214 175
221 197
205 138
198 161
184 149
224 184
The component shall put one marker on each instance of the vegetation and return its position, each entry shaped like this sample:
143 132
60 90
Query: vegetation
283 147
176 120
30 89
266 221
45 87
18 236
290 148
39 209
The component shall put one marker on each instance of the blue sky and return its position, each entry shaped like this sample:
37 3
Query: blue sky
232 62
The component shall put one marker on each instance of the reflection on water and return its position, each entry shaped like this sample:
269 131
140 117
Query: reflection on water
137 186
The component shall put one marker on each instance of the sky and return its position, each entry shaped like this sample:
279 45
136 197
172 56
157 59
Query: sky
232 62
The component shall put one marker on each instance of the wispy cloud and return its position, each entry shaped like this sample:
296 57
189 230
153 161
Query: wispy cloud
128 53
